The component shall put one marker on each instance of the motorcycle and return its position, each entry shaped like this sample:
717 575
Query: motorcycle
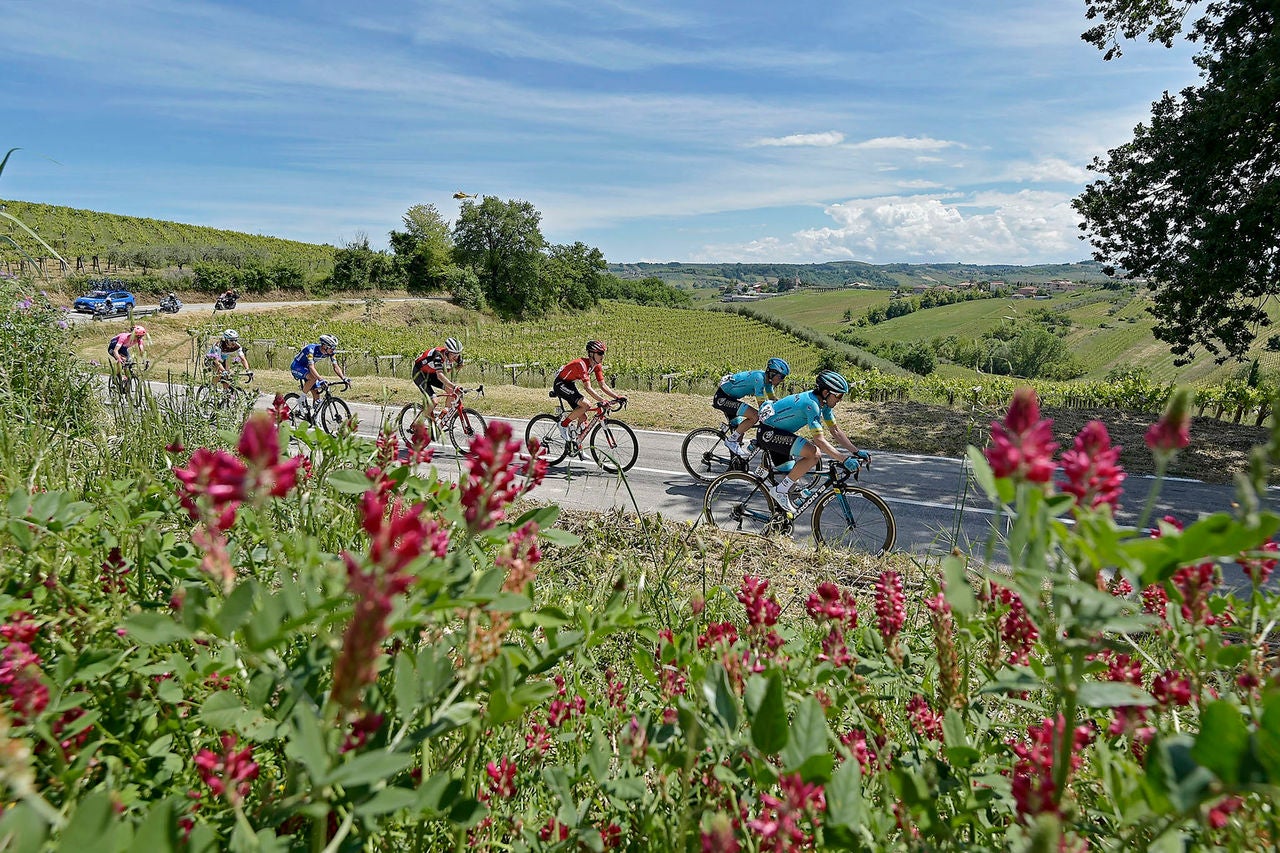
170 305
226 301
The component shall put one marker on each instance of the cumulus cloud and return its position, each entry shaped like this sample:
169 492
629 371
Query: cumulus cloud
1050 170
813 140
1021 227
904 143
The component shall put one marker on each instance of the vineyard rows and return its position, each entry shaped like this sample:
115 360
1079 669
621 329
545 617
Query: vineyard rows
686 350
86 237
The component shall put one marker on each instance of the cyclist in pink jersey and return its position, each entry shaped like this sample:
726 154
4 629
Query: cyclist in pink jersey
566 386
118 346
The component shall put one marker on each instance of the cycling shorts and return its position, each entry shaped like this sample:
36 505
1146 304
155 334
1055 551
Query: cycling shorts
113 348
300 374
782 445
730 407
567 391
426 382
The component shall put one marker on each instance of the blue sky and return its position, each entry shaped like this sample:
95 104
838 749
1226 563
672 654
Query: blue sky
926 130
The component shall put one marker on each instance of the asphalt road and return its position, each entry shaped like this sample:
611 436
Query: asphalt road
242 306
926 493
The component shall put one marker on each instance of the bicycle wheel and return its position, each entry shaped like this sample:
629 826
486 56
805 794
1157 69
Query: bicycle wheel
614 446
740 503
546 429
294 402
705 454
465 428
405 420
135 390
334 412
854 519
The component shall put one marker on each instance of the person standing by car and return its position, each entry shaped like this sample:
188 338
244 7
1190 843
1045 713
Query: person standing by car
118 346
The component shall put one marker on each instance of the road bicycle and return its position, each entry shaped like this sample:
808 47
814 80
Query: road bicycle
127 386
846 517
706 456
329 412
612 443
461 423
227 393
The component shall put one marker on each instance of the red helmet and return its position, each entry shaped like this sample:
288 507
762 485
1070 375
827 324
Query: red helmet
595 347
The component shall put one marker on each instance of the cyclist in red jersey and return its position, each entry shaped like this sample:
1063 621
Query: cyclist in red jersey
566 387
430 371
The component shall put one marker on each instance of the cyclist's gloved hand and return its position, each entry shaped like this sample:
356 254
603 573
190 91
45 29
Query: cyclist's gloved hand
863 455
851 463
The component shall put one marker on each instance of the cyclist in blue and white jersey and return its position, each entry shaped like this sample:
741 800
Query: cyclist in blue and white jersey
226 348
735 388
810 413
304 364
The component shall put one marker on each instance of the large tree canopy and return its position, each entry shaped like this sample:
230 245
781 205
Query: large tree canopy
1192 204
423 249
502 241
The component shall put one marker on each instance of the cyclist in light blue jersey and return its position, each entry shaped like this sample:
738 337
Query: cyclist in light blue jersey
303 367
797 427
735 388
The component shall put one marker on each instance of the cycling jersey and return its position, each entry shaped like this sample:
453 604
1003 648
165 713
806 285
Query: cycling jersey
432 361
301 366
120 343
797 413
748 383
579 369
225 350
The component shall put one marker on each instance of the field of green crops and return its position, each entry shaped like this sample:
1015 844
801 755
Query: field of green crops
641 339
822 309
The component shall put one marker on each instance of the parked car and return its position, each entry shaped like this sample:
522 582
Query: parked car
105 301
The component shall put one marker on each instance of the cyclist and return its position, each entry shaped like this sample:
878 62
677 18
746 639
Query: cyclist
118 347
735 387
304 370
225 349
810 411
429 372
566 387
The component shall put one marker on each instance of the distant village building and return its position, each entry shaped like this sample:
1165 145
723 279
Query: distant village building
1027 292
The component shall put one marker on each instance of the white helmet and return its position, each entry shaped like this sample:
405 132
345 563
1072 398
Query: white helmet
329 341
452 345
231 335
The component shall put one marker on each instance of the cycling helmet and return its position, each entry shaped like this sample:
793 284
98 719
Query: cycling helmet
778 366
139 331
329 341
829 380
452 345
231 335
595 347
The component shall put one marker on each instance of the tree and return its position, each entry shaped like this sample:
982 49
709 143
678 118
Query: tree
502 242
358 267
1191 203
575 274
423 250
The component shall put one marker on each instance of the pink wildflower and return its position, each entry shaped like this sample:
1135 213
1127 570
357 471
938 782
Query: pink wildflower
855 740
1220 814
21 681
719 835
538 739
923 719
1155 600
502 778
1258 569
762 612
361 729
114 572
891 611
212 487
1022 445
260 446
1173 430
718 633
493 479
1017 631
1092 468
778 827
1034 789
519 558
828 602
21 628
1171 689
230 773
279 409
1194 584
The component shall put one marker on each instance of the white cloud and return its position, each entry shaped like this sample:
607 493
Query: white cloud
1022 227
1051 170
816 140
905 143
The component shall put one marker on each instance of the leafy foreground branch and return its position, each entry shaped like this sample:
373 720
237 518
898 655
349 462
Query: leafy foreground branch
315 642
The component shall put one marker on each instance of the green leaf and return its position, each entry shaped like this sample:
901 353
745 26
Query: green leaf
1266 739
388 800
92 826
223 711
509 602
158 829
405 687
720 697
809 737
627 788
155 629
958 592
1174 781
953 729
844 795
305 742
369 767
1223 742
24 829
349 481
236 609
562 538
982 473
769 721
598 758
1113 694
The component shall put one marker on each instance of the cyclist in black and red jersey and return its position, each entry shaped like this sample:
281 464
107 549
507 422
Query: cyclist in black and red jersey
566 387
430 371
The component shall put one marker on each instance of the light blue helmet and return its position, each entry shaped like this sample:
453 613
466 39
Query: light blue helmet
829 380
779 366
